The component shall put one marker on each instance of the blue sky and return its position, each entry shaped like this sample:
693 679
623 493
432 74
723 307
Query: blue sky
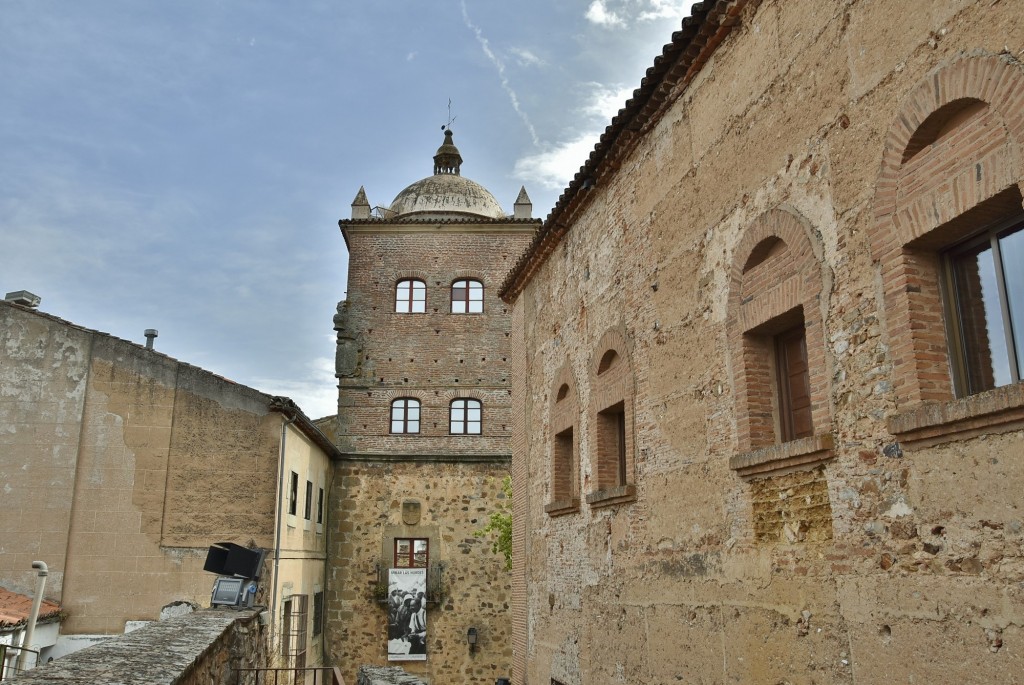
183 165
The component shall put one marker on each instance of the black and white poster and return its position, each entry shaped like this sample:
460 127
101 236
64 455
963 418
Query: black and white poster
407 614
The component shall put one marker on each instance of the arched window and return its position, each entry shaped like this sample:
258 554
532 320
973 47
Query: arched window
411 296
465 417
405 415
564 493
612 420
467 297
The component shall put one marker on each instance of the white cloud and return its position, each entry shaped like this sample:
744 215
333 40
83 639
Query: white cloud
315 393
605 102
527 58
555 166
598 13
665 9
622 13
410 57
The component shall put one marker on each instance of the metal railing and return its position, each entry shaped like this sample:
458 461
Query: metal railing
313 675
9 656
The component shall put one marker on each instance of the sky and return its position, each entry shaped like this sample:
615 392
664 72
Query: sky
183 165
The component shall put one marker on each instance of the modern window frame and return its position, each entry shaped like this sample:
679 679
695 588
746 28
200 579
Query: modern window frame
406 300
471 297
307 512
465 425
955 308
405 405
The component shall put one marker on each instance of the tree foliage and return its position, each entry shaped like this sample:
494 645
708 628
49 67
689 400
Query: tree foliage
500 525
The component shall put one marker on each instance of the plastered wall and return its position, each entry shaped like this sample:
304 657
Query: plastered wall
119 467
888 559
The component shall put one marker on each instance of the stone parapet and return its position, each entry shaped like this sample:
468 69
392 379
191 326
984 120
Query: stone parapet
201 648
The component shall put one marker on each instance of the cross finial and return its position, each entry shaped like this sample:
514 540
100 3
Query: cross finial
451 119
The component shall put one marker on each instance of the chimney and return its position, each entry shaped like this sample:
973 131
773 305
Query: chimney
150 334
23 298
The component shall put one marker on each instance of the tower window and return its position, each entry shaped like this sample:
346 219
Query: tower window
405 415
465 417
467 297
411 297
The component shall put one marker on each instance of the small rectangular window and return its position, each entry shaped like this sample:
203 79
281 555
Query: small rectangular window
794 384
320 507
318 612
561 479
307 514
611 437
411 552
293 494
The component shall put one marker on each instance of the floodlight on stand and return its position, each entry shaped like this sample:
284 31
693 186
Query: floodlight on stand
239 569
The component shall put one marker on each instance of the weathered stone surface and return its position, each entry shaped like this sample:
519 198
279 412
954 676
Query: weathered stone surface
201 648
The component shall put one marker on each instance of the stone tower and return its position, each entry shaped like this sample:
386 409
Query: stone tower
424 421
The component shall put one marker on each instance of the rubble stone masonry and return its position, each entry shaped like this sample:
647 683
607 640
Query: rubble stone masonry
809 164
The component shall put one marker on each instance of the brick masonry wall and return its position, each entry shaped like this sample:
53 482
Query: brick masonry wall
435 356
832 572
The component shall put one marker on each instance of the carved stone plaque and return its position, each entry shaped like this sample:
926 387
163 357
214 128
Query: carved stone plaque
410 512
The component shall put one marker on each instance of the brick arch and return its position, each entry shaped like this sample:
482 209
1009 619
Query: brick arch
465 275
995 80
611 340
411 276
771 291
934 191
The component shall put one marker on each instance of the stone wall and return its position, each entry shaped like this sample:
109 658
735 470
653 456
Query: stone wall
120 466
202 648
894 530
455 501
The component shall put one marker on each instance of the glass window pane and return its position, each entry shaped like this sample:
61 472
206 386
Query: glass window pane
419 290
476 307
396 427
474 414
458 307
413 412
1011 248
458 413
402 306
456 427
476 291
412 426
473 427
402 547
981 321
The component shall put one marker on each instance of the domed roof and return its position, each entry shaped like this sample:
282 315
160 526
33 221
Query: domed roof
446 194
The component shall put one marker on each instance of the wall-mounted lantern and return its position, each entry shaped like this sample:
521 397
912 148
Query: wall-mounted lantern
471 638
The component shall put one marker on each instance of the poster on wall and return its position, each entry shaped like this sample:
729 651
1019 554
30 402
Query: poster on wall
407 614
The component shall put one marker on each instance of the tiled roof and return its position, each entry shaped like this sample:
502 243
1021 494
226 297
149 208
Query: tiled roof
15 608
706 27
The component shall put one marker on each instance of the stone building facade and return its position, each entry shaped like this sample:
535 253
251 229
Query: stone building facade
768 420
120 466
424 421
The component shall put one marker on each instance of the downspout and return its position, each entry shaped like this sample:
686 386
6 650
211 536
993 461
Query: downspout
327 563
33 616
277 534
